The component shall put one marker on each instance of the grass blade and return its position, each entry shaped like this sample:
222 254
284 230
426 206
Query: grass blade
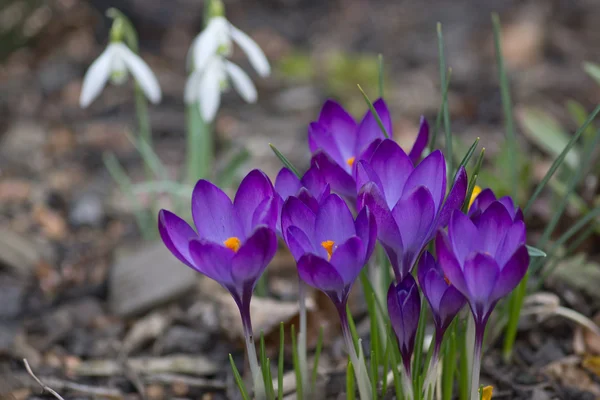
509 122
316 363
297 368
468 155
280 362
268 382
559 160
350 388
449 363
238 379
535 252
446 111
374 112
381 72
418 354
285 161
438 119
473 181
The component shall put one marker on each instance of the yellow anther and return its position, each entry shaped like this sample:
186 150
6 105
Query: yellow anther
476 191
328 245
447 280
350 161
487 393
233 243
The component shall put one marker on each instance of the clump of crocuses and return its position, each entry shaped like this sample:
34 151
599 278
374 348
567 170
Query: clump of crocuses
362 188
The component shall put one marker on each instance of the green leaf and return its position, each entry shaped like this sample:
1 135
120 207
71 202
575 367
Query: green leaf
559 160
509 122
374 112
285 161
297 367
592 70
238 379
545 131
350 388
438 119
473 181
446 111
579 114
280 363
381 72
317 355
469 154
535 252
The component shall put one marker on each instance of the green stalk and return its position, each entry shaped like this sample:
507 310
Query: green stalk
238 380
418 353
280 362
316 362
350 389
449 363
438 119
200 146
381 72
506 106
374 112
446 111
297 368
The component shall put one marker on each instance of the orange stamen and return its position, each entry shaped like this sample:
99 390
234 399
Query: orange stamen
447 280
476 191
233 243
328 245
350 161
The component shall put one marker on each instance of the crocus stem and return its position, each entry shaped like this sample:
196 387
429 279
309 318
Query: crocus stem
430 378
476 367
257 378
302 347
199 155
407 382
360 369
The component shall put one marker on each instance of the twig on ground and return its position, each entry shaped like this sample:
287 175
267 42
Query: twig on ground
44 387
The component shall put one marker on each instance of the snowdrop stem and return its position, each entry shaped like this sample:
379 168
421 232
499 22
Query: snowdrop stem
199 155
141 110
302 335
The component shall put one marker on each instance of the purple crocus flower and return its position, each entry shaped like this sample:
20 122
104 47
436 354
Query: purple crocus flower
407 201
311 188
486 197
445 301
404 308
484 258
233 241
338 142
329 246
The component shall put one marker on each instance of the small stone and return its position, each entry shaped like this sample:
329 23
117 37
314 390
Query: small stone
155 392
55 74
181 339
88 210
52 223
12 294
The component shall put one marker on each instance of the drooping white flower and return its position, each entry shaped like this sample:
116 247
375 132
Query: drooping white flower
115 63
218 37
205 85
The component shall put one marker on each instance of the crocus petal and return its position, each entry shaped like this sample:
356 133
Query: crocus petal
210 89
96 77
368 152
321 275
252 258
348 259
420 142
241 82
206 44
321 138
387 229
515 238
342 127
511 274
509 204
176 235
192 87
140 71
296 213
431 173
482 201
366 230
300 244
307 198
463 235
266 213
364 173
315 182
414 216
404 308
334 221
393 167
431 281
212 260
287 183
450 304
339 180
213 214
253 190
255 55
369 129
449 264
481 272
454 200
492 227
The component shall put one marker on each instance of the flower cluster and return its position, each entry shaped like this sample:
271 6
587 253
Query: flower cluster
362 188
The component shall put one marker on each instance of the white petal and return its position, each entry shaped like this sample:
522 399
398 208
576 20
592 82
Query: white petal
96 77
210 89
208 41
255 55
241 82
141 72
192 87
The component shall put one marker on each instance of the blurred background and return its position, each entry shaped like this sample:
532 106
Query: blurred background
77 283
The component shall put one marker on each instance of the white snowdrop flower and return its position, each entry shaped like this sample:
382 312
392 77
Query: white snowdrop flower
205 85
115 63
218 38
